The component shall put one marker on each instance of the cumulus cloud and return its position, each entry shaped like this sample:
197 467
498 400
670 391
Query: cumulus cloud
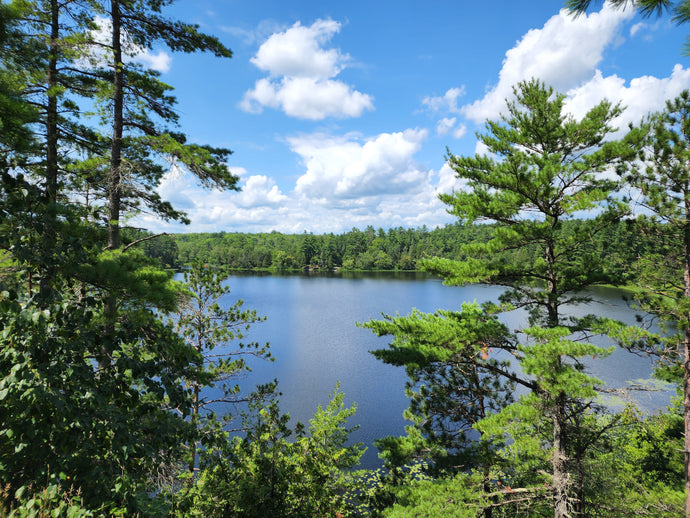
346 168
262 207
643 95
460 131
260 191
260 201
348 181
447 102
298 52
301 75
445 125
159 61
564 54
306 98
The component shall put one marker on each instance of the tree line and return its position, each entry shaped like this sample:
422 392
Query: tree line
369 249
104 359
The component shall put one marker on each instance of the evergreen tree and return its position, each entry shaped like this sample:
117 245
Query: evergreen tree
454 384
211 331
664 182
91 379
16 114
139 106
542 169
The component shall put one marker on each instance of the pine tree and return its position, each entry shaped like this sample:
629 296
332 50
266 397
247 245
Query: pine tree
91 379
217 335
664 184
542 168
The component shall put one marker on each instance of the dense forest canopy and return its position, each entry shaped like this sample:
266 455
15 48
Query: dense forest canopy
366 249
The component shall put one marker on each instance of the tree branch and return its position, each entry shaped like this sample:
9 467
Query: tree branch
144 239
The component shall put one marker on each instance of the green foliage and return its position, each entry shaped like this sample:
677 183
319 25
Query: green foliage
637 468
395 249
458 497
107 430
265 474
15 113
216 334
542 169
454 382
664 181
91 379
50 502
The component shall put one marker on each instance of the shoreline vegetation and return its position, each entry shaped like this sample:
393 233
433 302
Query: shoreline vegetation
395 249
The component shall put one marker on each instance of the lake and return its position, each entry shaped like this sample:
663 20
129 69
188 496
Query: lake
311 328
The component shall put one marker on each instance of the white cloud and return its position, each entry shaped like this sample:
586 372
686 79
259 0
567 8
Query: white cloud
481 149
447 181
260 191
460 131
345 168
306 98
298 52
260 202
159 61
563 54
444 126
643 95
348 181
645 30
302 75
637 28
448 102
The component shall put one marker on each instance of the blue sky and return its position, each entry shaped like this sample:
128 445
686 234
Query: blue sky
339 113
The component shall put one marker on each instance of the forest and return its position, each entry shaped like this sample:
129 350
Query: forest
104 358
368 249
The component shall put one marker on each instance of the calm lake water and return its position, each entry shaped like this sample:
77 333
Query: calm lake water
311 328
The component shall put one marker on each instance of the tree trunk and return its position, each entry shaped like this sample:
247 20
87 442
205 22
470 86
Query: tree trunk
686 400
561 478
580 486
115 173
51 167
114 178
559 461
686 354
195 424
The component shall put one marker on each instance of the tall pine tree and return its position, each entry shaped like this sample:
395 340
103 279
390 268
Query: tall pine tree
542 168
